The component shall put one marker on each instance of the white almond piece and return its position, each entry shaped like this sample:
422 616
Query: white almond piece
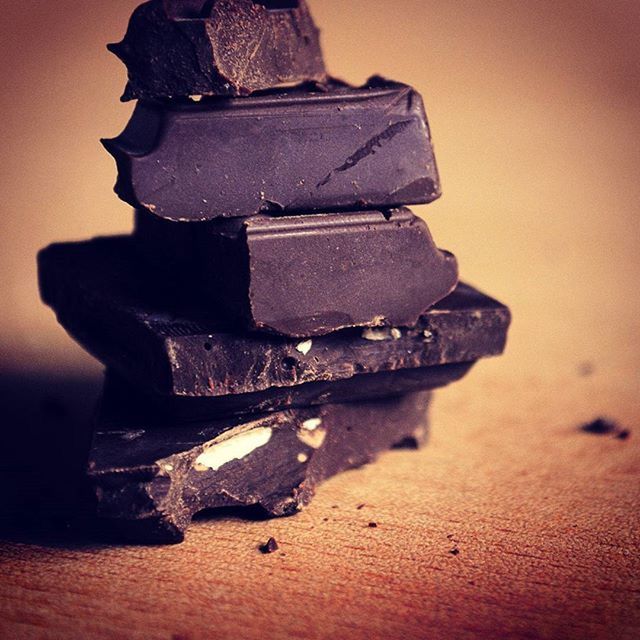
376 334
314 439
304 347
235 448
396 334
312 424
302 458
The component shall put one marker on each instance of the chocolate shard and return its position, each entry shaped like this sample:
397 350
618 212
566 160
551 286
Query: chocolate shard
333 270
176 48
124 401
150 483
168 346
300 150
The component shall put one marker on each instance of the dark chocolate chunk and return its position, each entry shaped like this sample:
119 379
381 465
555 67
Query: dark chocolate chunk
124 401
176 48
149 483
300 150
307 275
604 426
601 426
103 298
270 546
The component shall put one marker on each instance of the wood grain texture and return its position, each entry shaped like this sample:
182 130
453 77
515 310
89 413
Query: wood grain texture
544 519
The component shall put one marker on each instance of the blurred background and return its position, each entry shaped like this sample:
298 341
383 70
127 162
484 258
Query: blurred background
535 111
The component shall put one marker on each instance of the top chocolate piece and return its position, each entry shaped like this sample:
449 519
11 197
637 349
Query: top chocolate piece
176 48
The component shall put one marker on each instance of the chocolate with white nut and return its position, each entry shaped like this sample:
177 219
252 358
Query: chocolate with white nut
300 150
305 275
162 410
176 48
170 345
149 483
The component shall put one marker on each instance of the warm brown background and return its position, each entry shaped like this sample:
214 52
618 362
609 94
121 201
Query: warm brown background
535 109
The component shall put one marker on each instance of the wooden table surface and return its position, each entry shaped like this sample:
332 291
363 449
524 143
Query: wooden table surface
511 523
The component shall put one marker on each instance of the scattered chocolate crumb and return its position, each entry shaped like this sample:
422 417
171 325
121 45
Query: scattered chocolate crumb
373 525
604 426
449 536
472 583
269 546
455 551
335 506
600 426
361 506
325 519
586 368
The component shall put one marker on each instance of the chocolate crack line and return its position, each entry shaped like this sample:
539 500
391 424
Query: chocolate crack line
368 149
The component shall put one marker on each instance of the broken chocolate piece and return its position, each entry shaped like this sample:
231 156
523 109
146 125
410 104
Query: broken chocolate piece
333 270
301 150
122 400
167 346
176 48
149 483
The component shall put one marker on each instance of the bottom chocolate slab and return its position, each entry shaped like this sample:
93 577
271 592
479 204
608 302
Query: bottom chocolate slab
149 484
123 403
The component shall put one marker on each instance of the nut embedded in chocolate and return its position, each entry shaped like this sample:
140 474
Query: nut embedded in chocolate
149 483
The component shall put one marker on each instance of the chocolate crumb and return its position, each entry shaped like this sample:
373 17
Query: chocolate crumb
455 551
604 426
373 525
361 506
269 546
325 519
586 369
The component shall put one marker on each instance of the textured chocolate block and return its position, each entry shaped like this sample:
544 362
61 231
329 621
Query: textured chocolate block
124 401
301 150
179 48
306 275
148 484
169 346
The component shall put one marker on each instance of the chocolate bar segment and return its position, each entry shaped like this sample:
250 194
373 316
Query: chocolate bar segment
176 48
301 150
171 346
123 401
149 484
307 275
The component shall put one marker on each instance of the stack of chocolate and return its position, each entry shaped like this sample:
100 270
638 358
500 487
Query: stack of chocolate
278 315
